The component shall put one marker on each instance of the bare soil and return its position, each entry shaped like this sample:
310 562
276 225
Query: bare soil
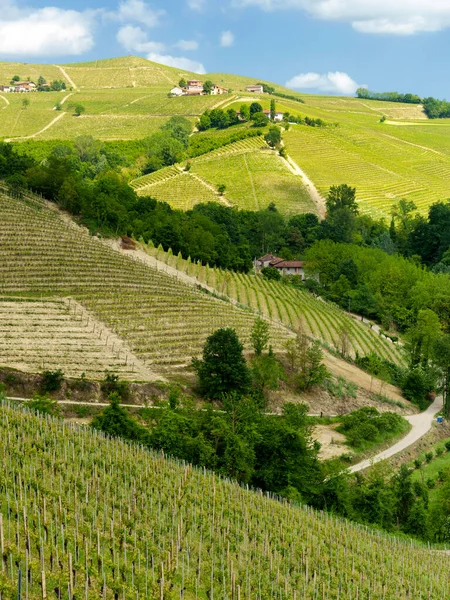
332 442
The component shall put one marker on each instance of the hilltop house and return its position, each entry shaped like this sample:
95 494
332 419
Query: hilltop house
285 267
218 90
7 88
177 91
25 86
194 85
278 115
255 89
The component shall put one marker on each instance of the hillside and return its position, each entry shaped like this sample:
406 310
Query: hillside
107 519
161 322
406 156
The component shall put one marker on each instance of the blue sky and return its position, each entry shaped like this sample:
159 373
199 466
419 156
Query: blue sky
324 46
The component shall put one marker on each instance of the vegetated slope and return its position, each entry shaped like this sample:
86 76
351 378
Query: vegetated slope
164 321
296 309
92 517
254 176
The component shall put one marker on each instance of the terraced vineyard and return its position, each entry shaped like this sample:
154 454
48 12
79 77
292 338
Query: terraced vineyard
243 167
288 306
89 517
36 335
164 321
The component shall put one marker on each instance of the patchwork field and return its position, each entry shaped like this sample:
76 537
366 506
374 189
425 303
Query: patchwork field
161 320
243 167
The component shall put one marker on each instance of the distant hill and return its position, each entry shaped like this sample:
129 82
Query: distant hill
406 156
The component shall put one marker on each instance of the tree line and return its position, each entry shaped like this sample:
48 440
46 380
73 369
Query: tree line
433 108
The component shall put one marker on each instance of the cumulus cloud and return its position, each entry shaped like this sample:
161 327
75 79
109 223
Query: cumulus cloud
137 11
45 31
336 83
226 39
181 62
397 17
187 45
134 39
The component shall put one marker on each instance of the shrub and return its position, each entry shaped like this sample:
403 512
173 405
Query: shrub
429 456
51 381
44 405
447 446
431 483
112 385
417 463
439 451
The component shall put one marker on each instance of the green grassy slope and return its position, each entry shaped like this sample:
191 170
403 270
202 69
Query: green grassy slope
407 156
94 518
165 322
243 167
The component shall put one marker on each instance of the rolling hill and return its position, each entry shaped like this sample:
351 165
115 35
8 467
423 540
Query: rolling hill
89 517
406 156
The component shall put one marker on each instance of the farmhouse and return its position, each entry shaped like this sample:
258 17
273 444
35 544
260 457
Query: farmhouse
278 115
177 91
285 267
25 86
218 91
6 88
255 89
194 85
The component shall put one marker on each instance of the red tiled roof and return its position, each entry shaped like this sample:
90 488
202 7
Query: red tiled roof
267 257
288 264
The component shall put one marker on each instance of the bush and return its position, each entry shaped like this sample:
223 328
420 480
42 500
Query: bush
51 381
431 483
429 456
439 451
417 463
112 385
271 273
362 433
44 405
447 446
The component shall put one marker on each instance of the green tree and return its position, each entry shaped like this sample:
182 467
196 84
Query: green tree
79 110
260 335
441 356
25 103
273 136
342 196
221 188
271 273
273 109
266 373
422 336
115 421
260 119
223 369
205 122
244 111
179 128
255 107
182 83
41 81
44 405
208 86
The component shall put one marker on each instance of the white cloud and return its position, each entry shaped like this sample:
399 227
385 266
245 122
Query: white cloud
398 17
45 31
134 39
138 11
198 5
187 45
336 83
227 39
180 62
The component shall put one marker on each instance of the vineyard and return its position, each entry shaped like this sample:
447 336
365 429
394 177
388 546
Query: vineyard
242 167
164 321
293 308
87 517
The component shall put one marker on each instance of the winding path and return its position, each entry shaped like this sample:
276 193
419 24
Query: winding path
30 137
421 424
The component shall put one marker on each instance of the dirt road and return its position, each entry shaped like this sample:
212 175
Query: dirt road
421 424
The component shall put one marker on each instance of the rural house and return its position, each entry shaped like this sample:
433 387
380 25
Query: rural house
278 115
176 91
7 88
217 90
255 89
25 86
194 85
285 267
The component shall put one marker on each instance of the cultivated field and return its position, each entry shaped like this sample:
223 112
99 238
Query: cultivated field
89 517
295 309
164 322
243 167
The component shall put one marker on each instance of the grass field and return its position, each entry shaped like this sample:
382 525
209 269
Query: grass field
90 517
